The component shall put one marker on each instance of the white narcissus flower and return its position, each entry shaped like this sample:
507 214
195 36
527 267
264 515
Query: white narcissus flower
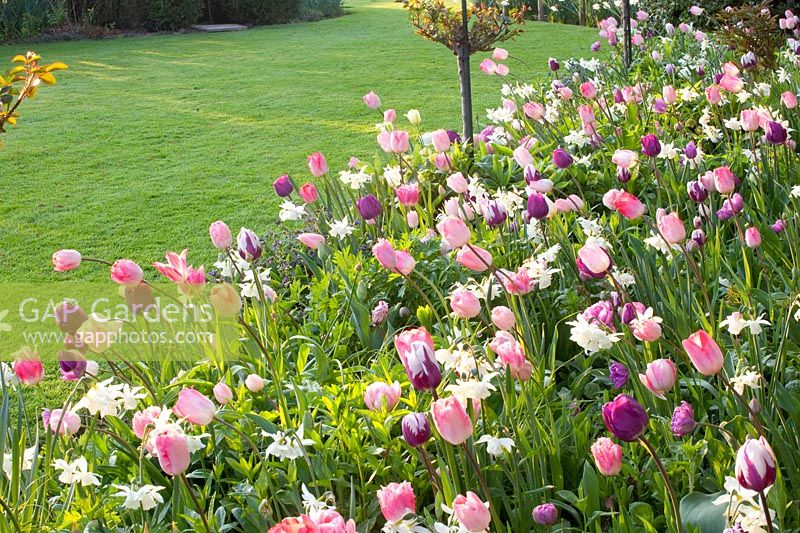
27 461
340 229
76 472
472 389
736 323
287 444
109 399
748 378
290 211
497 445
591 337
145 497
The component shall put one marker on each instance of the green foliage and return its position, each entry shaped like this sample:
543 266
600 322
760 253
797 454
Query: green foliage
262 11
173 14
318 9
21 19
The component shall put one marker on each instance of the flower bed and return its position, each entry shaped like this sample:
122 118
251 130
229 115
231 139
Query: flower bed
585 320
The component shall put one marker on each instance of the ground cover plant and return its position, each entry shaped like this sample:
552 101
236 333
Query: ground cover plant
584 318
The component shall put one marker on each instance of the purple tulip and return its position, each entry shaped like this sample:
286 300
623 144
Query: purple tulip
625 418
618 374
669 68
454 137
561 158
531 174
283 186
623 175
776 134
554 66
416 429
249 245
630 311
537 206
545 514
755 465
69 317
369 207
690 151
602 311
659 106
748 60
700 72
618 97
717 77
697 192
683 421
596 46
724 214
735 203
779 226
421 367
651 146
493 213
72 369
698 237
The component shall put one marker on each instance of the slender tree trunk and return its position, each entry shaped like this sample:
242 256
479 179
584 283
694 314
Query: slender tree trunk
582 12
542 11
462 54
626 28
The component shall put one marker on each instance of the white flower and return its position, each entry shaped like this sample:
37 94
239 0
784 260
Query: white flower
289 211
591 337
287 444
76 472
749 378
27 461
145 498
355 180
461 360
736 323
496 445
340 229
8 375
795 192
742 507
625 279
657 241
109 399
472 389
249 287
227 267
393 176
668 151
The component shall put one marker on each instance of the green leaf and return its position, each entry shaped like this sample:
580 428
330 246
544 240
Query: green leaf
700 515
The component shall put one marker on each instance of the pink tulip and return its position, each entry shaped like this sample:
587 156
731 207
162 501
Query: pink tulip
379 392
646 329
451 420
64 260
671 228
126 273
295 524
565 93
308 192
194 407
317 164
519 282
522 156
594 258
696 11
789 99
178 270
64 422
226 300
706 355
172 448
752 237
397 500
474 258
384 253
405 263
457 183
221 236
750 120
389 115
625 159
659 377
254 382
533 110
724 180
403 341
454 231
488 67
588 90
607 456
511 355
372 100
624 203
222 393
311 240
713 94
442 162
412 219
472 514
144 421
440 140
330 521
465 304
572 203
398 140
500 54
29 370
407 195
503 317
669 94
732 84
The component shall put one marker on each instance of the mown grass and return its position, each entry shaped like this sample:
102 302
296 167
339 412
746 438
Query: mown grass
146 140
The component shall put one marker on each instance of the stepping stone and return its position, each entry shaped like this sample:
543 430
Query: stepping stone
219 27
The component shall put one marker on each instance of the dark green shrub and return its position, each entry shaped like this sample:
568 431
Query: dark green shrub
262 11
29 18
173 14
319 9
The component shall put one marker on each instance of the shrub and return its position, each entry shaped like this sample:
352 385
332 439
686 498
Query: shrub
28 18
261 11
318 9
173 14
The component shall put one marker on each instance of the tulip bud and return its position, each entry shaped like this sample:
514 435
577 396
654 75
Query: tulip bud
249 245
651 146
538 207
254 382
471 513
659 377
545 514
369 207
64 260
561 158
416 429
607 456
451 420
618 375
308 192
778 226
625 418
704 353
503 317
173 451
755 465
465 304
682 422
222 393
283 186
752 237
553 64
194 407
220 235
317 164
126 273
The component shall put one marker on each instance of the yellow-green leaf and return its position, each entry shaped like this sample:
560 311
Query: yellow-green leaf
47 78
58 65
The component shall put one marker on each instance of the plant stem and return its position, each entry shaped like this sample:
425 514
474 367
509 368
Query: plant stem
484 487
763 498
670 491
196 503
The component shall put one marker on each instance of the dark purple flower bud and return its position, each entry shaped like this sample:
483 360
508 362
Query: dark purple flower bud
416 429
717 77
623 174
659 106
735 202
596 46
249 245
630 311
690 151
699 237
724 214
618 97
556 85
531 174
545 514
669 68
618 374
421 367
776 134
71 365
697 192
625 418
283 186
554 66
454 137
700 72
69 317
493 213
487 132
651 146
561 158
779 226
537 206
683 421
748 60
369 207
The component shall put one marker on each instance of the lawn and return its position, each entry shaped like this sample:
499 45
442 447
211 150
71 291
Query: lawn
146 140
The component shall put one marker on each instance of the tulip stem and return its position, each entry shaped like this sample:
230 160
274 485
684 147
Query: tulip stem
670 491
763 498
484 487
429 467
196 503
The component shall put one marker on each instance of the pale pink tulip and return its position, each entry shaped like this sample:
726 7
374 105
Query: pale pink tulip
451 420
254 382
705 354
472 514
222 393
194 407
126 273
474 258
607 456
465 304
378 392
503 317
454 231
317 164
311 240
64 260
172 448
396 501
659 377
